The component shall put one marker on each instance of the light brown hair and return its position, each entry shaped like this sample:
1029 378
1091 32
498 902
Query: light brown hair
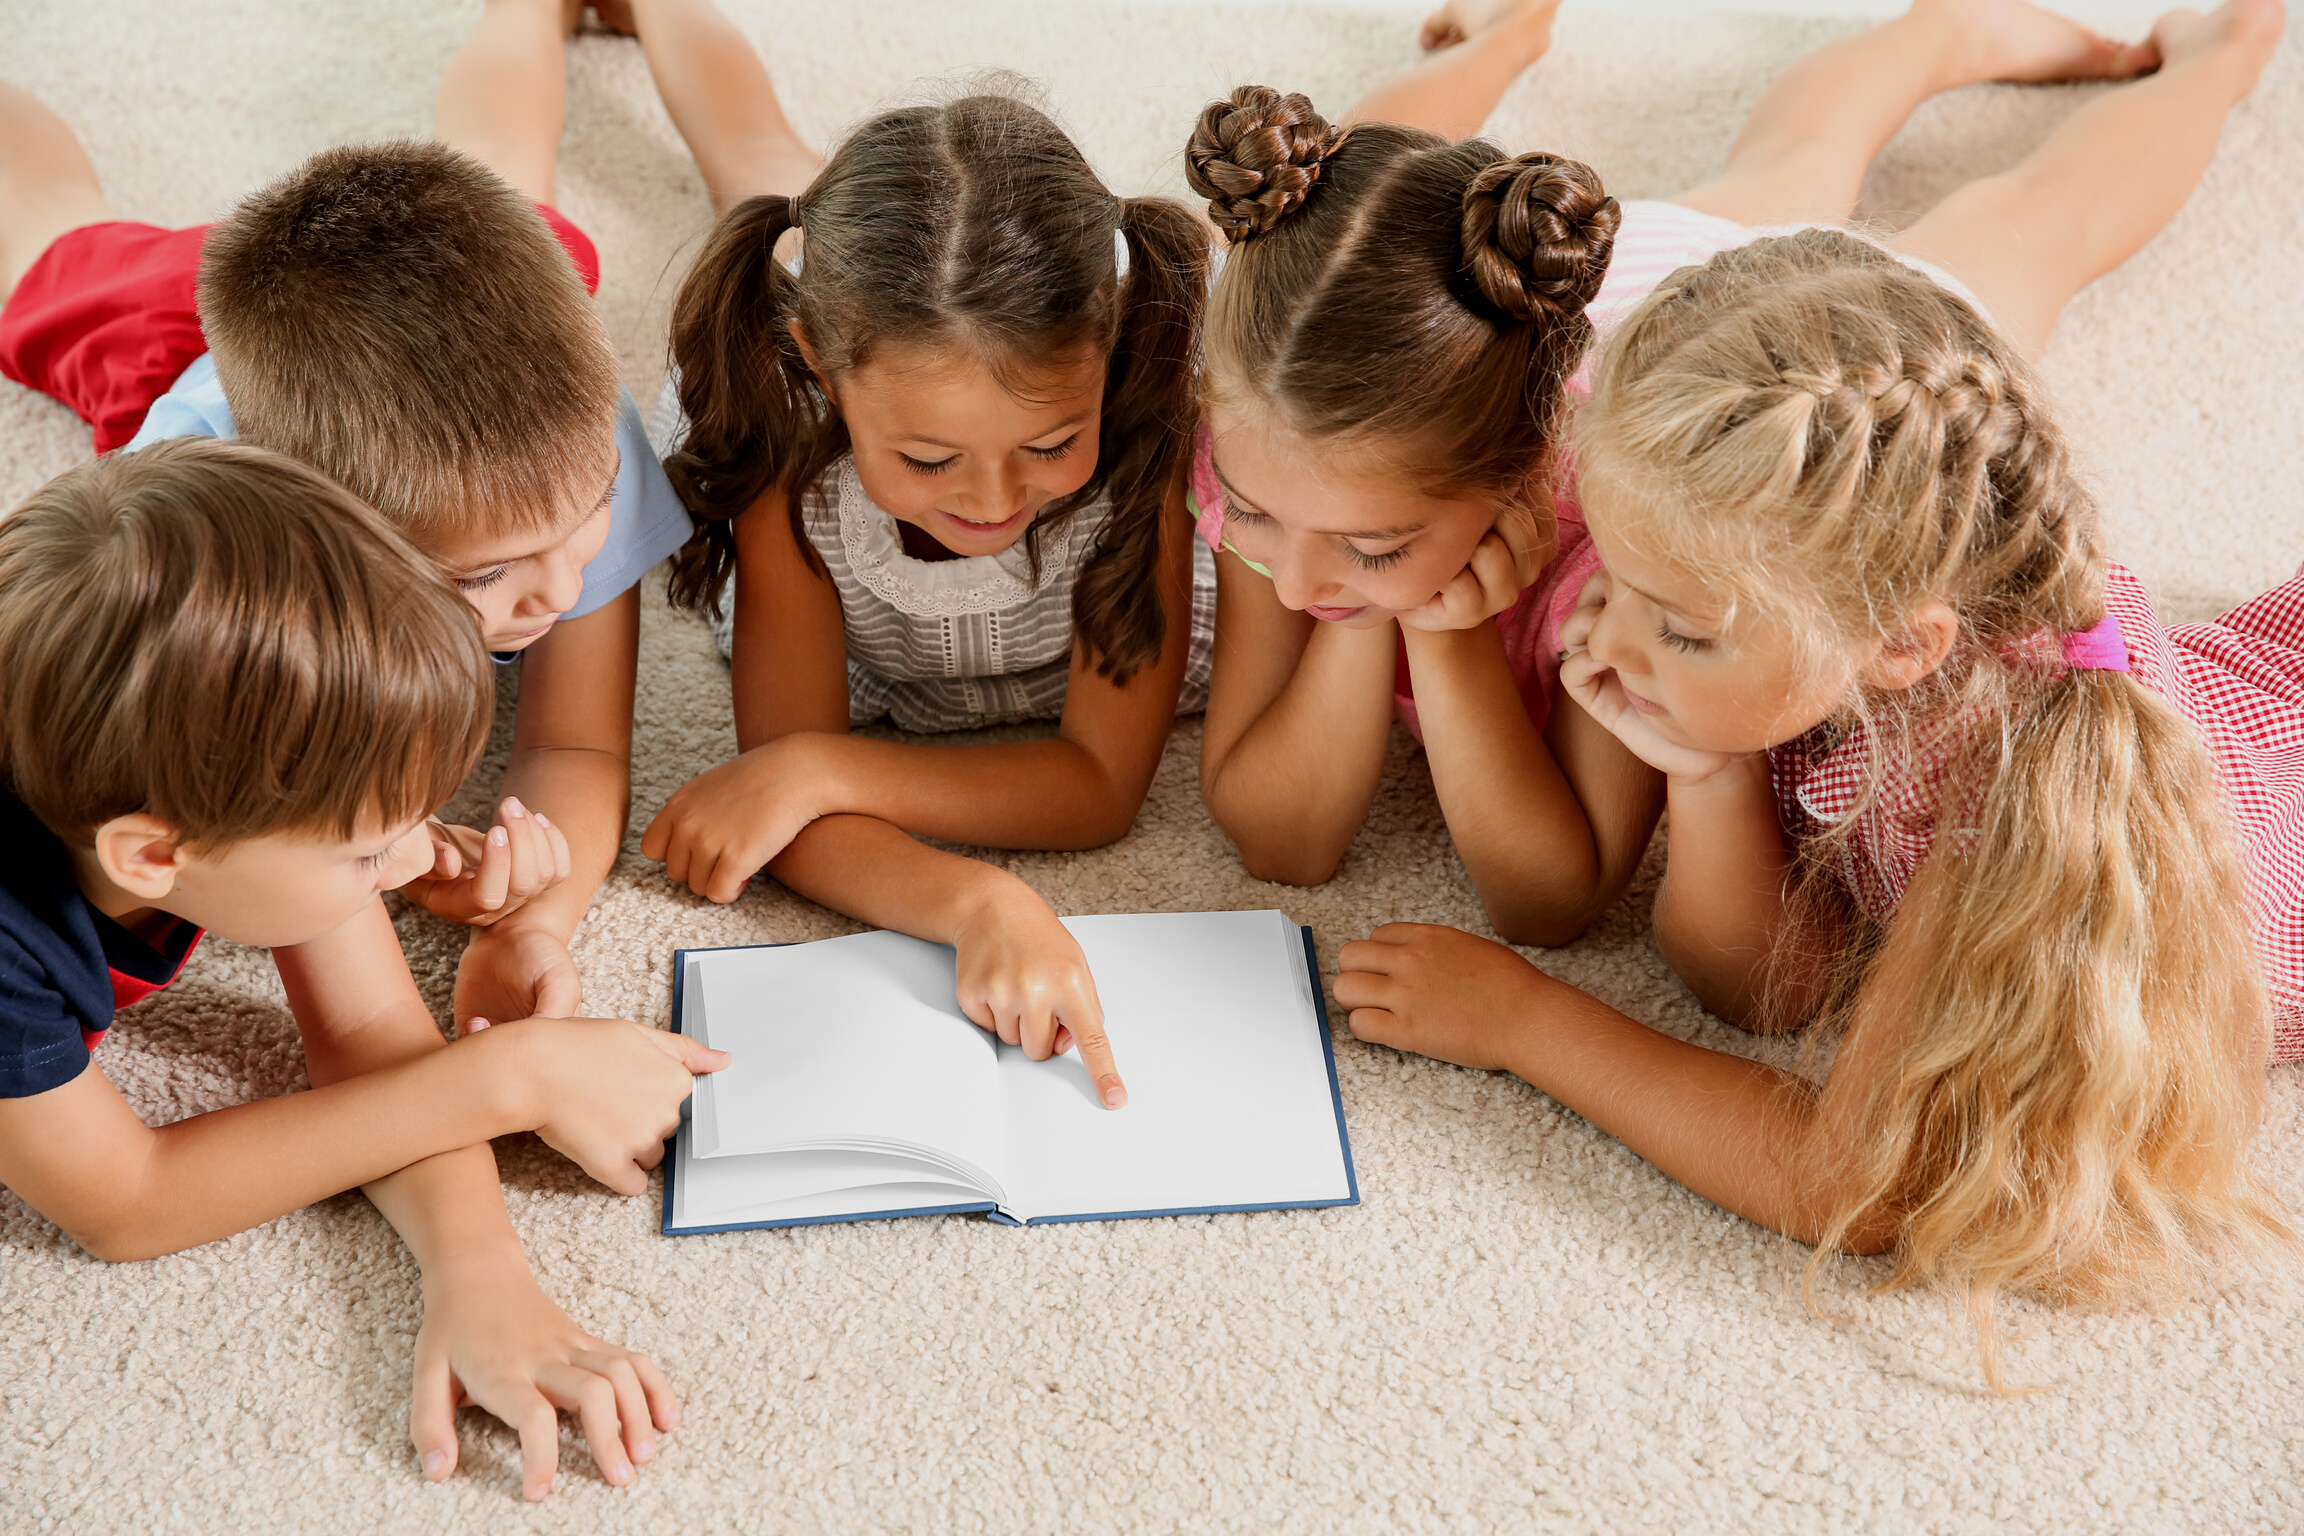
399 318
218 636
974 225
2072 1083
1384 285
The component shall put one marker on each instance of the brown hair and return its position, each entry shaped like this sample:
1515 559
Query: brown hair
1387 285
2071 1085
398 317
216 635
975 225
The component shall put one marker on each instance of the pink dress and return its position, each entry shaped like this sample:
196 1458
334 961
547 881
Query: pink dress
2238 679
1530 627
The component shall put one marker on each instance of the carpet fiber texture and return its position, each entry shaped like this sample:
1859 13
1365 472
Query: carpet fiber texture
1522 1327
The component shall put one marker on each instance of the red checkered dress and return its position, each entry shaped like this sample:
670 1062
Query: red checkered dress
2238 679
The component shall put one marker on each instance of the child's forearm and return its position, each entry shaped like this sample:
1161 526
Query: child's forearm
1523 835
1737 1132
218 1173
1293 788
1054 793
1721 912
878 874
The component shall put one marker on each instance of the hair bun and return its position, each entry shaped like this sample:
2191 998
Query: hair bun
1536 235
1257 156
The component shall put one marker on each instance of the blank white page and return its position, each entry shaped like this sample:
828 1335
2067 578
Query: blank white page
847 1040
1218 1036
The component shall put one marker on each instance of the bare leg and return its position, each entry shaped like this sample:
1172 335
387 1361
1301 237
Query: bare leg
717 90
1802 153
47 186
504 95
2107 180
1483 46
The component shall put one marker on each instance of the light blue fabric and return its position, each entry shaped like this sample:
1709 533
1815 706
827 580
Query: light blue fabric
646 522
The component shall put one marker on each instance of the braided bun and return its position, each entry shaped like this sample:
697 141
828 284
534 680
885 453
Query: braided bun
1537 232
1256 157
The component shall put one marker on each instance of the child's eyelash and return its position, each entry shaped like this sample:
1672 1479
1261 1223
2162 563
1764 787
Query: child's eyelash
1678 641
483 581
375 861
925 466
1368 562
1233 514
1058 451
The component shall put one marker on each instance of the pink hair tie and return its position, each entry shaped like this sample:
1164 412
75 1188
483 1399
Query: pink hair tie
2096 650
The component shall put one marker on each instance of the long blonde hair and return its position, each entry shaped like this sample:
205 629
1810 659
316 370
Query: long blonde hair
2067 1100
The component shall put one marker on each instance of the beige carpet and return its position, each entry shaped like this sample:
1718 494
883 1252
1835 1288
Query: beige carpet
1523 1327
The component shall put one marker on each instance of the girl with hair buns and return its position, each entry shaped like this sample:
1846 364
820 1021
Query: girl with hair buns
938 440
1389 351
1937 774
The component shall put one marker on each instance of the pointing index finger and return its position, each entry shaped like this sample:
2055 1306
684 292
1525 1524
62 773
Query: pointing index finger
1096 1052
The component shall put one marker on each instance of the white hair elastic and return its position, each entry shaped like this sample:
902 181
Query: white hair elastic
1120 252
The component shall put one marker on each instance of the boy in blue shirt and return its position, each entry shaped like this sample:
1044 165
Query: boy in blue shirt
414 321
232 694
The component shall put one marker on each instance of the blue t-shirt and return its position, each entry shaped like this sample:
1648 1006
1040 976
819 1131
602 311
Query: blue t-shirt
646 522
64 966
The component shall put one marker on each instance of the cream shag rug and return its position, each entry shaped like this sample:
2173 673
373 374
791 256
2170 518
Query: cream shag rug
1523 1326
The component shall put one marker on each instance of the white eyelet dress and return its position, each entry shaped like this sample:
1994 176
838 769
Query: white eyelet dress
953 645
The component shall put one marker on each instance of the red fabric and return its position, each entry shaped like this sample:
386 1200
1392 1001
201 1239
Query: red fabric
105 319
2238 679
128 989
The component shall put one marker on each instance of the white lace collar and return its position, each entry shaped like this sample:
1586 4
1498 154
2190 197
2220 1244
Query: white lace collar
940 588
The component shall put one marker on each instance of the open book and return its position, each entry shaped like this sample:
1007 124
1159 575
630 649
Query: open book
859 1089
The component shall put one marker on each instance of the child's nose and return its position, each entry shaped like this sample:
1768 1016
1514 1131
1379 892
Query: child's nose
563 583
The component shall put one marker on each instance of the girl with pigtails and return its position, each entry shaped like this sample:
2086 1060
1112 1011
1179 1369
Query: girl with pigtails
934 397
1392 351
1938 777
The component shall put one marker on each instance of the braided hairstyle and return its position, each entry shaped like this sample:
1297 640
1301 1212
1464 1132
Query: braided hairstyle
2066 1092
1387 285
975 225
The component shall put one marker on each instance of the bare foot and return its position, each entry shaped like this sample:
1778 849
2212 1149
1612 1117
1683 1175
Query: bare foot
2241 32
1460 21
2015 40
616 16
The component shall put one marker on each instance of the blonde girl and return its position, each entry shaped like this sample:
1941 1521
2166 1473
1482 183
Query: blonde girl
1390 349
1936 772
941 453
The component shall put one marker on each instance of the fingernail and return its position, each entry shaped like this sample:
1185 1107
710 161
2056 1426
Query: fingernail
514 808
543 820
644 1451
1114 1094
435 1464
620 1474
539 1492
474 1026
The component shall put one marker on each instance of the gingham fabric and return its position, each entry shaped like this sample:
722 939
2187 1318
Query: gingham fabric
2238 679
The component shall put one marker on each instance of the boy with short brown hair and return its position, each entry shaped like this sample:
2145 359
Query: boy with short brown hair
412 320
232 695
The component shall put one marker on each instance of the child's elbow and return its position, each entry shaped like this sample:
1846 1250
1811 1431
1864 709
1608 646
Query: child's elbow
120 1243
1287 865
1539 924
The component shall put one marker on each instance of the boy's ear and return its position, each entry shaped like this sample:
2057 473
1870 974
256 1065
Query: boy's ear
808 356
140 854
1929 637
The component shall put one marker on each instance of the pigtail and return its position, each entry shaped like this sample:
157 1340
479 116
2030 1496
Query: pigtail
2077 1077
1146 434
756 418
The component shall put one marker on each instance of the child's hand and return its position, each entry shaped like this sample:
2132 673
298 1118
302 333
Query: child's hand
723 825
1601 693
1508 557
478 879
604 1093
492 1339
1023 978
1438 992
517 971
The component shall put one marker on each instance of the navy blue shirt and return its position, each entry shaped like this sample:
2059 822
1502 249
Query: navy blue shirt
64 966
